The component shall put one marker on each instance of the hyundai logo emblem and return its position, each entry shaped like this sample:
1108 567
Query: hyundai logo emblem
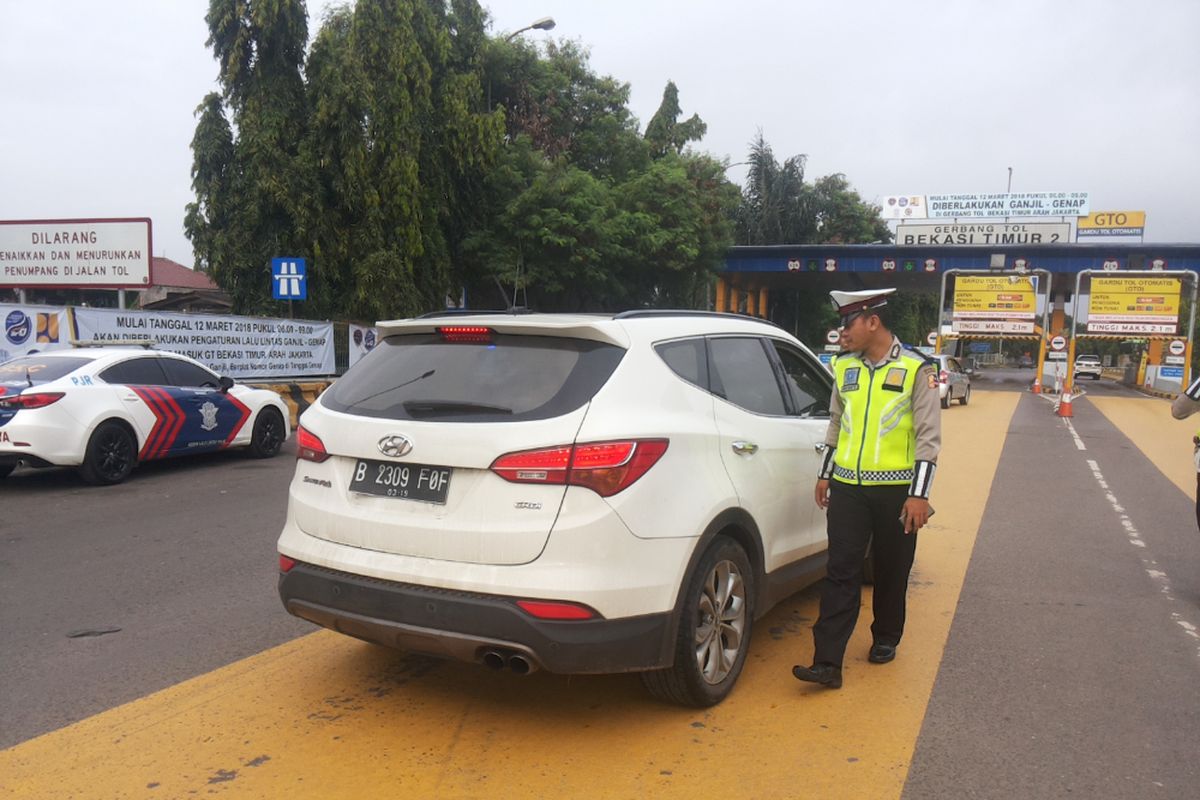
395 446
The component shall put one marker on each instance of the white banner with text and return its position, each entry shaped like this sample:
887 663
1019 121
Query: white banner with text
240 347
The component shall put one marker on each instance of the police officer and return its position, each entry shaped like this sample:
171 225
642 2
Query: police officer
881 452
1184 405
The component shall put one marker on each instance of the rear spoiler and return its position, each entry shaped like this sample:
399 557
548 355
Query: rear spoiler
601 329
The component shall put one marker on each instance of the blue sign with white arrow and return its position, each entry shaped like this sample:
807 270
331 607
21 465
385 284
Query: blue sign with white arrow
288 281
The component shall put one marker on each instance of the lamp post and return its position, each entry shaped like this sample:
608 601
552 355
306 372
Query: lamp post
543 24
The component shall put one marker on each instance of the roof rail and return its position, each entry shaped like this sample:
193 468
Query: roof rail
473 312
645 313
146 343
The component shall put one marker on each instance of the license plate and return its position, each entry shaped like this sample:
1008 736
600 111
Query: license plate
406 481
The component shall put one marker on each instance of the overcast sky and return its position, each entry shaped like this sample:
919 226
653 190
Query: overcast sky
98 98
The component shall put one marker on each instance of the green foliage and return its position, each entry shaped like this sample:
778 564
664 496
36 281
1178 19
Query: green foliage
778 207
665 133
408 155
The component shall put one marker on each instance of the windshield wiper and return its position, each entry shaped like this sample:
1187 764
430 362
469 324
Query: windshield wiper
433 407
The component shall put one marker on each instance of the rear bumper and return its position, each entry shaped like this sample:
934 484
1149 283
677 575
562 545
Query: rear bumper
466 625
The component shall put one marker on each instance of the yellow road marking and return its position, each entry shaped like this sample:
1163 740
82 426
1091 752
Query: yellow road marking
326 716
1166 441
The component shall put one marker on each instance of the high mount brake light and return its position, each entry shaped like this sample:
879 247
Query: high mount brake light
35 400
309 446
465 333
604 467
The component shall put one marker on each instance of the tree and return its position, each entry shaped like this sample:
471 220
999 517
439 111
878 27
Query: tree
248 187
665 133
778 207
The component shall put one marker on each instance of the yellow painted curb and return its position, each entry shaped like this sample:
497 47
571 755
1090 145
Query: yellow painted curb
327 716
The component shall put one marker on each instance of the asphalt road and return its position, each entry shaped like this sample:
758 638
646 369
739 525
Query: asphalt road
1068 671
180 558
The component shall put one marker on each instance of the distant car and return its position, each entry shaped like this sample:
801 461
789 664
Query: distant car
1088 365
1025 362
954 380
105 409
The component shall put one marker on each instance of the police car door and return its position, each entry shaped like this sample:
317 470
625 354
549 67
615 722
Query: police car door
211 418
762 445
139 383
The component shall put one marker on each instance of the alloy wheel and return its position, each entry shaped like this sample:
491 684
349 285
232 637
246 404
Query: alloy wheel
721 622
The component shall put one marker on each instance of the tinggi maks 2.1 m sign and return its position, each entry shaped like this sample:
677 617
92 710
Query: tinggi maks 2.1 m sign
83 253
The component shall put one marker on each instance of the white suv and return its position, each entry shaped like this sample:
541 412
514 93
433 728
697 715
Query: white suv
582 494
1088 365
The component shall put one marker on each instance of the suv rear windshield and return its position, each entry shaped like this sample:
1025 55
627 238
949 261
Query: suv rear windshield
509 378
38 369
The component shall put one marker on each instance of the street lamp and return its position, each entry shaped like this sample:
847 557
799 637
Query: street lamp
543 24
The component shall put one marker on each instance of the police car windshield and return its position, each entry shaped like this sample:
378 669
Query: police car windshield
32 370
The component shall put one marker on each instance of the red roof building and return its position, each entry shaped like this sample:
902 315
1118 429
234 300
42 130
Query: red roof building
177 288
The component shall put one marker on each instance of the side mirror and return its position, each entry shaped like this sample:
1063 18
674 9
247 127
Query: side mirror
226 383
970 371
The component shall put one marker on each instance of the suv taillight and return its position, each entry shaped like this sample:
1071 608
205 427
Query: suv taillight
604 467
309 447
944 377
36 400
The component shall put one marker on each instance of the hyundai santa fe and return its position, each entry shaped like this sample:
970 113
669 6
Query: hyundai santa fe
574 493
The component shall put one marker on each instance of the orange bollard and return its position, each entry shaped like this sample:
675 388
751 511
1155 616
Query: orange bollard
1064 405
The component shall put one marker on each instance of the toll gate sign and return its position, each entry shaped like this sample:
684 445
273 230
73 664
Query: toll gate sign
1134 305
996 304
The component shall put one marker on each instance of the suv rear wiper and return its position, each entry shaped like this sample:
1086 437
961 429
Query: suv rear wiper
432 407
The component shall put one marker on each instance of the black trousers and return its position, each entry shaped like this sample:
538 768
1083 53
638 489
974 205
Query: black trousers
856 515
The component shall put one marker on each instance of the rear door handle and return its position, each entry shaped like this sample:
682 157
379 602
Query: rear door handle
744 448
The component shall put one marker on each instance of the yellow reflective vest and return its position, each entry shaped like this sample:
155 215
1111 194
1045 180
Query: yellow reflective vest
876 444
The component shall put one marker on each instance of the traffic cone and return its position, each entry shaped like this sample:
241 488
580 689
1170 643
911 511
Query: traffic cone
1037 386
1064 405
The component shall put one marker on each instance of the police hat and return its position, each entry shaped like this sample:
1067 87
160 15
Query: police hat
849 303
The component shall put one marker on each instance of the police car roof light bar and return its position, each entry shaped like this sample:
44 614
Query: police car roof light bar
146 343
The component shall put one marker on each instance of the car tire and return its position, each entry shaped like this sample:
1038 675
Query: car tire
715 624
966 398
946 400
267 436
110 455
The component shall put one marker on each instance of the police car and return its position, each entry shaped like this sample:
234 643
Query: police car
106 409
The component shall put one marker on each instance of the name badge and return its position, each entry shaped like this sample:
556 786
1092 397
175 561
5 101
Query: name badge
894 380
850 380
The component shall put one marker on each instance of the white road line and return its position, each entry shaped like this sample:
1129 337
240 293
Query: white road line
1078 442
1149 565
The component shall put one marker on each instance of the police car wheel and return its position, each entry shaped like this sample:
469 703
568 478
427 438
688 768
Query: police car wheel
267 436
110 456
714 630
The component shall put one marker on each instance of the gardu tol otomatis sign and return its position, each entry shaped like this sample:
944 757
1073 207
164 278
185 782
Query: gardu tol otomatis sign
997 304
85 253
1134 305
